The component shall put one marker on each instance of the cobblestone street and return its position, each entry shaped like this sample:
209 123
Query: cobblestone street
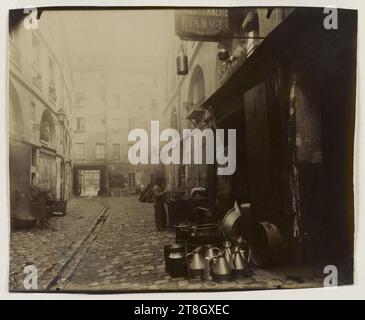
107 244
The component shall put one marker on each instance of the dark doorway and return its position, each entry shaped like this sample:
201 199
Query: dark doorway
89 180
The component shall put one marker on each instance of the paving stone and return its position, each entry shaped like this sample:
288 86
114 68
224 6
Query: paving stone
274 283
94 284
161 281
50 248
145 272
127 254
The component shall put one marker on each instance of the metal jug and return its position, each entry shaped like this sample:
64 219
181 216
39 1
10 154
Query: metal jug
210 251
239 262
228 253
220 268
195 263
207 274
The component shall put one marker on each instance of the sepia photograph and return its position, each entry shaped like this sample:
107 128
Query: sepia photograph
174 149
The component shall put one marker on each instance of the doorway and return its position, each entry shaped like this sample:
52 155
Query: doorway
89 182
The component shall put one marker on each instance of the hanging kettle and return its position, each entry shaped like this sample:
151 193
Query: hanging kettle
182 63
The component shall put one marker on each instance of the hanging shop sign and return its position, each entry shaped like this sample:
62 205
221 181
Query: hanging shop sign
202 24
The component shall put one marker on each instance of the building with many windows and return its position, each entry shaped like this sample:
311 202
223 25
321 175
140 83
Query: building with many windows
110 99
40 126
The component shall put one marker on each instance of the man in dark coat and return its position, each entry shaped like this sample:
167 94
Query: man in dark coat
158 202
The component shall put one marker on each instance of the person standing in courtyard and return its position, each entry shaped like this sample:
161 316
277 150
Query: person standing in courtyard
159 196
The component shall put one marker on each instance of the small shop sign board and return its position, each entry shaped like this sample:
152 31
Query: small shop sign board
202 24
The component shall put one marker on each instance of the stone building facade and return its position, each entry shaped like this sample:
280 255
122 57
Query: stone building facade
40 127
110 100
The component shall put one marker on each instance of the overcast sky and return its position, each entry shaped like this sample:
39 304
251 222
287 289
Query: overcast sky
131 33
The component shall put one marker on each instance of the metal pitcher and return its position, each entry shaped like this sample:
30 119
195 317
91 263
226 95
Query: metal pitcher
195 264
239 262
207 273
210 251
220 268
228 253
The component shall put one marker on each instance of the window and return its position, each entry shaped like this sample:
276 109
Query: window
115 101
34 156
36 53
37 77
80 151
79 97
45 132
100 151
131 180
131 124
52 84
32 113
116 151
80 124
115 125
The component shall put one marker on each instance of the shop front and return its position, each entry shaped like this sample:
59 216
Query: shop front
294 165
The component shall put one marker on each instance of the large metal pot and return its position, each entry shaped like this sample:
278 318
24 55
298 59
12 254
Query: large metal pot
182 231
204 234
265 244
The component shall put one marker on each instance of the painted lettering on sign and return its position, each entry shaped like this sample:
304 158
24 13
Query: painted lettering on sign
202 24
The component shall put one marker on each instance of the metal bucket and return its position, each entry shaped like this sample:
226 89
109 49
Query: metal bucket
182 64
176 264
265 243
172 248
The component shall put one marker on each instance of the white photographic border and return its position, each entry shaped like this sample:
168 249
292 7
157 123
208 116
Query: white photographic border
355 291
